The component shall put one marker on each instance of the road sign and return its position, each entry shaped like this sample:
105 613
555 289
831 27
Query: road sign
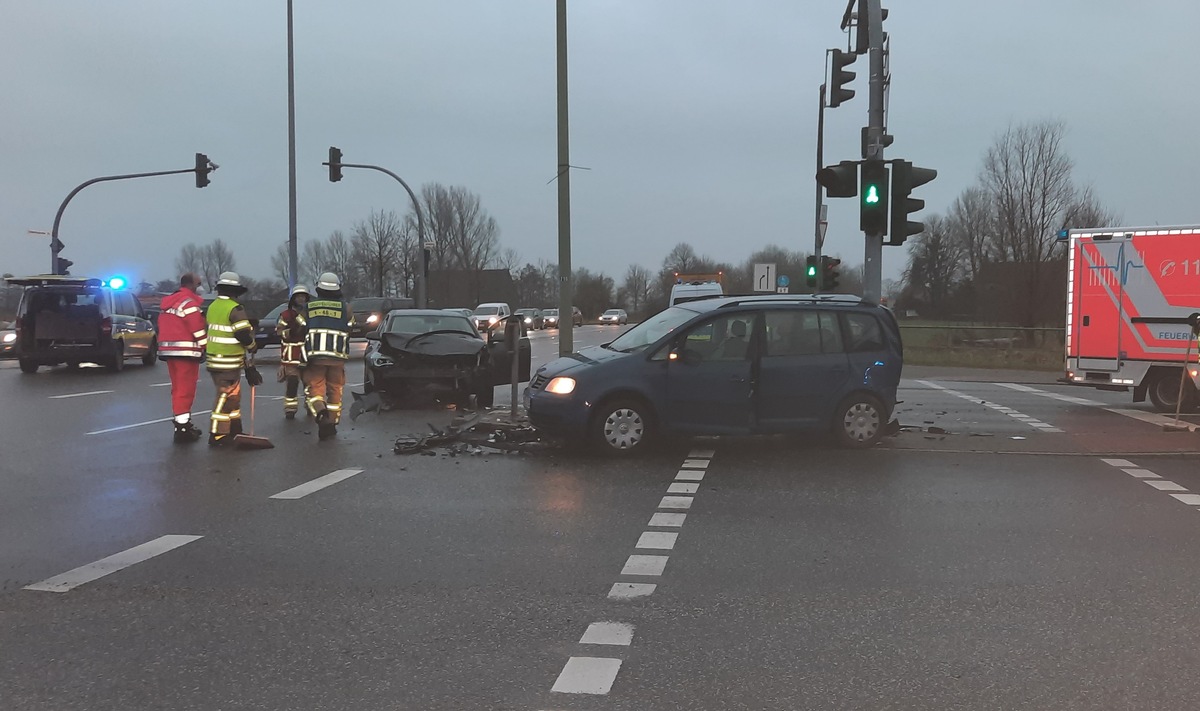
430 244
781 290
764 277
783 280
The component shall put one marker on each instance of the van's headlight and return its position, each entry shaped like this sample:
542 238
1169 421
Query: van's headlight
528 320
372 318
10 337
561 386
493 319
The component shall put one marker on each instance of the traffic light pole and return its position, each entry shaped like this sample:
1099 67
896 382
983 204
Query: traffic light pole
873 146
566 283
818 238
422 274
55 245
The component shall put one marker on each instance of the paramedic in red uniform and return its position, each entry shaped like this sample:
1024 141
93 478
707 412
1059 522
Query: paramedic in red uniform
182 335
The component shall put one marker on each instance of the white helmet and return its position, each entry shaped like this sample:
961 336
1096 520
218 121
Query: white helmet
299 289
329 282
230 279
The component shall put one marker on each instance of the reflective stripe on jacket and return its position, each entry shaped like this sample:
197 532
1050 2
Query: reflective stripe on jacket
181 329
291 344
329 325
225 351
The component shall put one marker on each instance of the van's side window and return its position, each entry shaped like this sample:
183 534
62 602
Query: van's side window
723 338
862 333
793 333
831 334
125 304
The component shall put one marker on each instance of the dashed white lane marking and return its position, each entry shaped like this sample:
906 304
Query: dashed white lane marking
111 564
587 675
702 453
1164 485
1002 409
615 633
675 502
1119 462
1189 499
141 424
645 565
683 488
665 520
308 487
690 475
628 591
93 392
695 464
160 385
1141 473
658 540
1046 393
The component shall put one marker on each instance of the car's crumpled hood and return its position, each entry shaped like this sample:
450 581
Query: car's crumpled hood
439 344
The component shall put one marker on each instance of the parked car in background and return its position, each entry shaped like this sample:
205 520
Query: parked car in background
550 318
616 317
8 340
532 318
264 333
370 310
727 366
69 319
434 350
486 315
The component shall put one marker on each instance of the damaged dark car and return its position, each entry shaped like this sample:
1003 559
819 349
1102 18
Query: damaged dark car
427 351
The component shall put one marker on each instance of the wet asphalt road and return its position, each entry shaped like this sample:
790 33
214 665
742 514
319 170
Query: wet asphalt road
1019 546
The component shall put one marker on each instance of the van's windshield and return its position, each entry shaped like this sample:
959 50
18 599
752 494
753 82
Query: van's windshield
652 329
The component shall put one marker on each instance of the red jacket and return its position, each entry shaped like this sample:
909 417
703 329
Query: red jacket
182 331
291 337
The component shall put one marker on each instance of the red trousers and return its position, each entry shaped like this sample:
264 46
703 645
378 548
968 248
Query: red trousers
183 372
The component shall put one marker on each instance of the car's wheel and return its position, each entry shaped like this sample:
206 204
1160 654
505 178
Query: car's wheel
27 365
486 397
859 421
621 427
1164 392
151 356
116 362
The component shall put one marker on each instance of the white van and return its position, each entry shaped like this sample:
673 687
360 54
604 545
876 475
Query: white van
485 315
694 289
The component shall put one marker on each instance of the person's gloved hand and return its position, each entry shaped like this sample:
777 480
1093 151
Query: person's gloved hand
253 376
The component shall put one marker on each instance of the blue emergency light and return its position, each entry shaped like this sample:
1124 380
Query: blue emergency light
117 282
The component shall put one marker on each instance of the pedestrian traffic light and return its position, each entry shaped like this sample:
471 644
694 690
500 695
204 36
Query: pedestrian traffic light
829 273
62 265
905 177
810 271
335 164
840 180
873 205
839 77
203 168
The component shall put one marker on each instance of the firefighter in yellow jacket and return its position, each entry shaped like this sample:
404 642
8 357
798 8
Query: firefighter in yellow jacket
230 341
327 319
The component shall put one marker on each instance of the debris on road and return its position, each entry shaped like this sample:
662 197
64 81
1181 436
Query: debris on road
470 435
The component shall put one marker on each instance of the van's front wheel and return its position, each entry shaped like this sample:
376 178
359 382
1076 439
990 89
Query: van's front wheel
621 427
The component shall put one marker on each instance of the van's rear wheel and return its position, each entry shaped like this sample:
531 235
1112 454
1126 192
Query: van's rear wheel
28 366
116 362
1164 392
151 356
859 421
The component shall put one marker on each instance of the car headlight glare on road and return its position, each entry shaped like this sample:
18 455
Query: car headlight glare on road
561 386
10 337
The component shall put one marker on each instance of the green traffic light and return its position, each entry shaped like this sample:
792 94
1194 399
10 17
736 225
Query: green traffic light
812 271
872 196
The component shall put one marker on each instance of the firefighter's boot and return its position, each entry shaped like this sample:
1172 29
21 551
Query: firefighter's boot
326 428
186 432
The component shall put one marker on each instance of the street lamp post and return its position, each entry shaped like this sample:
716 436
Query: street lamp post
291 92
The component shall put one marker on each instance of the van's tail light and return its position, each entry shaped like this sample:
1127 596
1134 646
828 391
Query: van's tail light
106 326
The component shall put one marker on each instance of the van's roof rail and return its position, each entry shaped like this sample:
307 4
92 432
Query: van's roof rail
743 299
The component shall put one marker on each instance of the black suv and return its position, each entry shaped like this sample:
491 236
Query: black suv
67 319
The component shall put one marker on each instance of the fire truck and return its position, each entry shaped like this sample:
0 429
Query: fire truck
1133 303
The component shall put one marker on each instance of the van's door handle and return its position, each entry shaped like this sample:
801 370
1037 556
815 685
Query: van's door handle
737 379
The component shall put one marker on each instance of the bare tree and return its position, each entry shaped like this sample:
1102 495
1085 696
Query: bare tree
1087 211
934 264
189 259
508 260
377 248
439 221
971 222
682 258
338 256
637 287
216 258
474 235
279 263
313 262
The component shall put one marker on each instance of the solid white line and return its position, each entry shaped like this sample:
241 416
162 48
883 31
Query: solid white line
111 564
695 464
587 675
142 424
1164 485
308 487
690 475
94 392
645 565
675 502
657 540
1118 462
618 633
678 488
160 385
1141 473
628 591
1189 499
673 520
702 454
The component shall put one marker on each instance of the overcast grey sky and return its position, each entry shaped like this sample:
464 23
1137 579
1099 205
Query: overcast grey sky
696 117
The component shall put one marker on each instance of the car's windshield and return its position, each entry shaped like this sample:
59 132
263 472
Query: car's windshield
550 312
487 311
652 329
424 323
274 314
367 304
527 312
612 312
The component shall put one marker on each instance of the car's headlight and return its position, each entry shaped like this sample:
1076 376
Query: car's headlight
380 361
561 386
372 318
10 337
493 319
528 320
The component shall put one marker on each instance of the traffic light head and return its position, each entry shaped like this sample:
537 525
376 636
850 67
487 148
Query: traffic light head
839 77
906 177
203 168
62 265
829 273
810 271
873 205
335 164
840 180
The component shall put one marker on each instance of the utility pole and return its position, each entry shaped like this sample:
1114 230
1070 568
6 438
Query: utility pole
291 92
566 283
873 145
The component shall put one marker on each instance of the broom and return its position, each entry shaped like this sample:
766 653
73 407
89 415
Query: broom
249 441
